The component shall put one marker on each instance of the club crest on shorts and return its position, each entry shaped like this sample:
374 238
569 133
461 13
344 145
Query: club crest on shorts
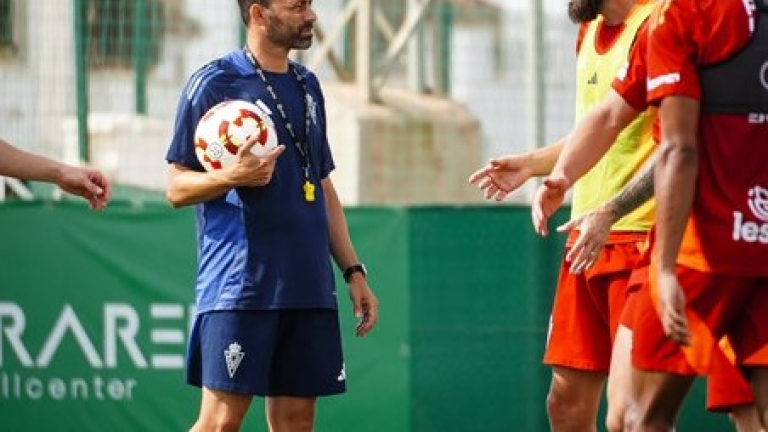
233 355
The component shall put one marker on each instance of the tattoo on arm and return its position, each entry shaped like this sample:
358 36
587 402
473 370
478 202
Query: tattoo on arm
635 193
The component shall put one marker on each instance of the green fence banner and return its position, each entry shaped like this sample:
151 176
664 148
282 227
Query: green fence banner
95 310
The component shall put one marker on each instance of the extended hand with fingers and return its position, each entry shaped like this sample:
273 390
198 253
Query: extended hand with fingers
594 228
502 176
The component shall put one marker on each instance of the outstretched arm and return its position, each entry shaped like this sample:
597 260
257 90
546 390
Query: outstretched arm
505 174
592 137
88 183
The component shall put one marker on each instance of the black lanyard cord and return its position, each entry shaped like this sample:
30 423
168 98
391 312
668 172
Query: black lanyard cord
301 147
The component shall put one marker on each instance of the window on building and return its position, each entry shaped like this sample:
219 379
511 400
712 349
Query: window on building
7 42
121 30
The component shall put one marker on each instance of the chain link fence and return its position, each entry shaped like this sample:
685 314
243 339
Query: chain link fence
118 67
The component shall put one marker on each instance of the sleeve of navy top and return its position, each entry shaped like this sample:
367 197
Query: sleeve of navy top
198 96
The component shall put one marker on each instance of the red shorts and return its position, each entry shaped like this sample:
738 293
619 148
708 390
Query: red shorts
588 305
727 387
729 305
637 280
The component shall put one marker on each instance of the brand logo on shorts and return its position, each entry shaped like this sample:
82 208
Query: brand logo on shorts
343 374
751 231
233 356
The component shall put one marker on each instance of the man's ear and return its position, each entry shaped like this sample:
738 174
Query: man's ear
256 12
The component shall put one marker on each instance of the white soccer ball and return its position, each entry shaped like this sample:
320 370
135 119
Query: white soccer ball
226 127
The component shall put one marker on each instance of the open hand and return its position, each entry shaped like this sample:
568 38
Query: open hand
502 176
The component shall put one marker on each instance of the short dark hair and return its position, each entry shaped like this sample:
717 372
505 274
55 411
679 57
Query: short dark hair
245 6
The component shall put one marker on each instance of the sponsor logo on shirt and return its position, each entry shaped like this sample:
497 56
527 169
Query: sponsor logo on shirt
671 78
764 75
751 231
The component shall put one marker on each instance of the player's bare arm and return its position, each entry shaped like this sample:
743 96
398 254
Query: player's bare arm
364 302
505 174
88 183
585 145
593 136
675 179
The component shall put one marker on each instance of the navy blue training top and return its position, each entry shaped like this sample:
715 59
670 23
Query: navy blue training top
261 248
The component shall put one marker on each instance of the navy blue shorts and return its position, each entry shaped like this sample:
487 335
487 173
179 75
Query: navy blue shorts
268 353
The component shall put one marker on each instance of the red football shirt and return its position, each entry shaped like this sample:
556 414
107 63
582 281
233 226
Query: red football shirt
728 228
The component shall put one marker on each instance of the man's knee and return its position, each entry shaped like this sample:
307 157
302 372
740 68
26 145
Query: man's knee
291 414
566 412
221 412
221 423
574 397
558 405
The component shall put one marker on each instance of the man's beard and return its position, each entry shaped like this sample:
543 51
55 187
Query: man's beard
289 38
582 11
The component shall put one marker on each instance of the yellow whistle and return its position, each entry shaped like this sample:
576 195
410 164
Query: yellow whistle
309 191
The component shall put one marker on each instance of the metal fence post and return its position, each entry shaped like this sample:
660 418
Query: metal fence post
81 76
141 30
363 50
536 77
443 53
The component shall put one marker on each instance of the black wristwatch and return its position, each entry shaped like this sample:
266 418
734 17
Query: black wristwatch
354 268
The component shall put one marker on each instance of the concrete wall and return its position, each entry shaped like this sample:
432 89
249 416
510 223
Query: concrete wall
408 149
